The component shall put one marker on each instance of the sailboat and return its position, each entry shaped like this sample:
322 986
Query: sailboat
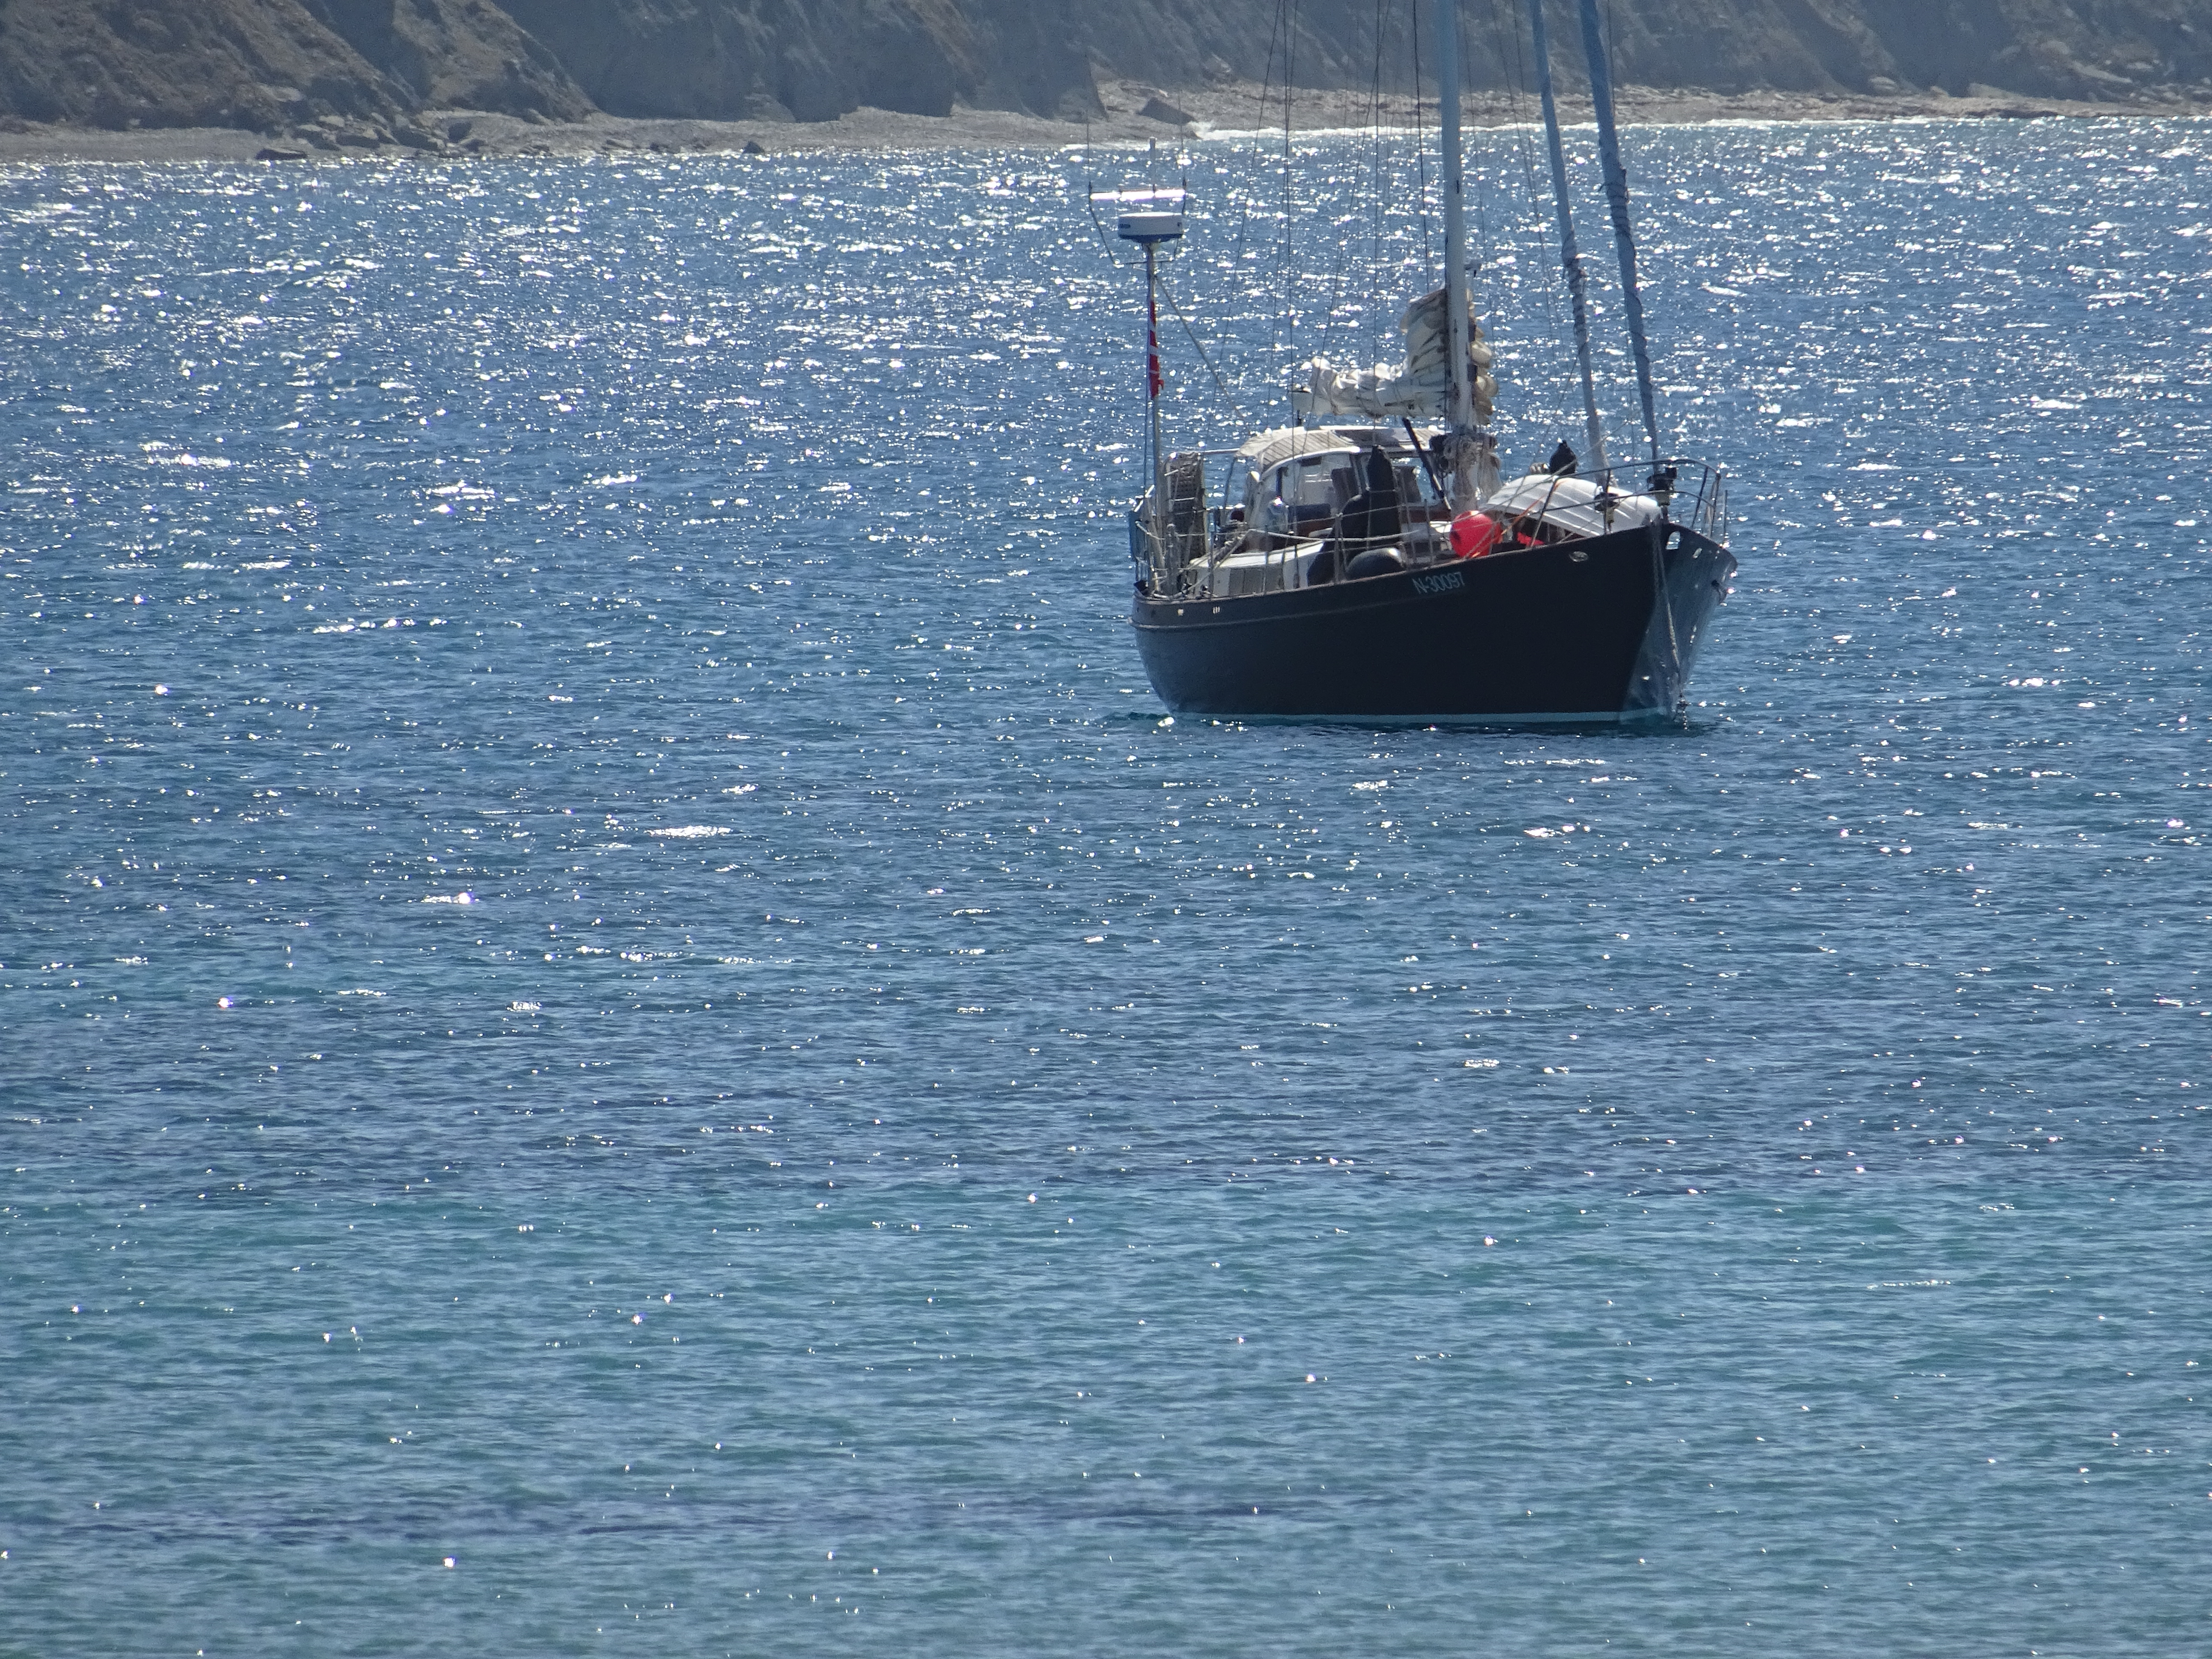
1369 560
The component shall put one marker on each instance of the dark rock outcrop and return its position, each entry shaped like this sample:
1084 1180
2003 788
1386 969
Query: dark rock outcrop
449 54
813 60
265 64
2099 50
2095 50
252 64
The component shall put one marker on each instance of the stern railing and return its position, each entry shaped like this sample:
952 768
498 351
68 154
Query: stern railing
1169 546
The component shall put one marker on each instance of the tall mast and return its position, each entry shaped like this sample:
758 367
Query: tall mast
1570 257
1616 195
1463 403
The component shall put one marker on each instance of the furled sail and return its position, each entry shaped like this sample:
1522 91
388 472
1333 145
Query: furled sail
1419 386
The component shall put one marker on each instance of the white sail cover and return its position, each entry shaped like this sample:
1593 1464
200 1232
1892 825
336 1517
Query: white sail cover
1420 386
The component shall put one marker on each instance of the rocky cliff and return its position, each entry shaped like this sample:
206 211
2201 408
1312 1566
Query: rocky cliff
278 64
2090 50
812 60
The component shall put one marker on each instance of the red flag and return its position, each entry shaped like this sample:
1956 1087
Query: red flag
1152 357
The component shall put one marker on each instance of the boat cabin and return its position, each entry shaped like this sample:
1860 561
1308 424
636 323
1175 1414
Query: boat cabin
1297 481
1297 507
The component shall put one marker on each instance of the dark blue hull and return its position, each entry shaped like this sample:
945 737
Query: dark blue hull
1602 628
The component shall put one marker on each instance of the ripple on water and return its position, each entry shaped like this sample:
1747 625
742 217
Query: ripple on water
583 824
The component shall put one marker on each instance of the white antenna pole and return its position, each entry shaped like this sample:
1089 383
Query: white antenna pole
1154 382
1462 405
1152 348
1149 217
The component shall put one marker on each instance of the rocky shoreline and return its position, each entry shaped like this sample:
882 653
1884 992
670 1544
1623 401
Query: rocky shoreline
1134 113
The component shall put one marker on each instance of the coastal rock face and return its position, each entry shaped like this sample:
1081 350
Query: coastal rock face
250 64
2103 50
455 54
813 60
762 59
2097 50
263 63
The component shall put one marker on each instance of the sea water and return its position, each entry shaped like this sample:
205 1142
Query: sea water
628 1030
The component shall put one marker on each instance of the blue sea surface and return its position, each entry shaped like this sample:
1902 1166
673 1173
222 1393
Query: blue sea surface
626 1029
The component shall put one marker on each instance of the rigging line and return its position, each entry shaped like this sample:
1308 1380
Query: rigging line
1289 81
1222 386
1569 256
1534 315
1344 248
1516 90
1616 195
1492 175
1343 253
1090 201
1483 238
1475 263
1259 125
1375 185
1251 284
1421 145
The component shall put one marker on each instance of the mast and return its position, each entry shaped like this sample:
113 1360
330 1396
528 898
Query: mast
1462 393
1570 257
1616 195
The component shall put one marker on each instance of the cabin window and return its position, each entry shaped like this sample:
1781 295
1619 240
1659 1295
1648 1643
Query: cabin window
1308 481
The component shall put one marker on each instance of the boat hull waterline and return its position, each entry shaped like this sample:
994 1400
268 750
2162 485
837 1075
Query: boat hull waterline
1565 633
